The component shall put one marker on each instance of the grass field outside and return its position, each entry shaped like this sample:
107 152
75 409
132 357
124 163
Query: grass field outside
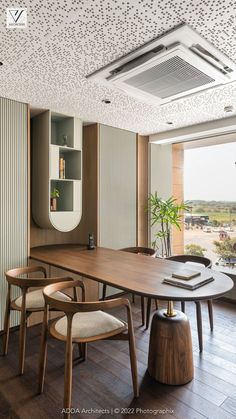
222 212
222 217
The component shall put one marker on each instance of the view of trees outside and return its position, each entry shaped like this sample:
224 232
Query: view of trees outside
209 187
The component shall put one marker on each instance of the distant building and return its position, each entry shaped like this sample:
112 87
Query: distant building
196 219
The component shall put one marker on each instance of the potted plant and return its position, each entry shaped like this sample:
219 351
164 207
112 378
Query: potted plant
53 201
165 215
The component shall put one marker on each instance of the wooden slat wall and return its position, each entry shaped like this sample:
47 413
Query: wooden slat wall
142 150
13 193
178 193
117 183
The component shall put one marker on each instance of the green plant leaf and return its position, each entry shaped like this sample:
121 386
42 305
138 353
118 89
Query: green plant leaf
164 214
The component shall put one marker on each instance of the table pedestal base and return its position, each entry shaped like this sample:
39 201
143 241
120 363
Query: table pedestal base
170 358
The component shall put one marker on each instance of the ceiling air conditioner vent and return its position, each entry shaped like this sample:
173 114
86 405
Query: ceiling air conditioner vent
170 78
179 63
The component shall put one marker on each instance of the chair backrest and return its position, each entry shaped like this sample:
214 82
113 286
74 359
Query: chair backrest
190 258
13 277
71 307
146 251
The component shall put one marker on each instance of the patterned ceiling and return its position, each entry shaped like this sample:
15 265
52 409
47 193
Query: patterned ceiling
45 65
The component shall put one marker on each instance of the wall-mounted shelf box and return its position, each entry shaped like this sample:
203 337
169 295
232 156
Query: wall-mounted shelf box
50 131
72 158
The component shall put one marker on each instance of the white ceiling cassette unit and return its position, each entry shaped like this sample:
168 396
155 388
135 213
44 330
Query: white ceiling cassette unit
177 64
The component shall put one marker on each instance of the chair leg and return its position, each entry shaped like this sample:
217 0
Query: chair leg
156 303
6 327
68 371
133 362
84 351
22 335
104 290
43 352
148 313
210 312
183 306
142 310
199 324
80 350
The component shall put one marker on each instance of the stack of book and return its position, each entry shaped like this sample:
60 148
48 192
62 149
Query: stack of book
189 279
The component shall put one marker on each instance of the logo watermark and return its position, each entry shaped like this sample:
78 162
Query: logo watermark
16 18
119 410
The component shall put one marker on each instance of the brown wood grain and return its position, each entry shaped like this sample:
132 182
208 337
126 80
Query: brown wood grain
124 332
178 193
90 207
103 381
89 220
170 358
24 278
132 272
91 286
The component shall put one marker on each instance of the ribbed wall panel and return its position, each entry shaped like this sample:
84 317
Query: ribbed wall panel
13 194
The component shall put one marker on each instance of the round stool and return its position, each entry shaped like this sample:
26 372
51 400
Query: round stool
170 358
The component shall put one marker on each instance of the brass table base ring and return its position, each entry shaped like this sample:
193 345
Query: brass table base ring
170 310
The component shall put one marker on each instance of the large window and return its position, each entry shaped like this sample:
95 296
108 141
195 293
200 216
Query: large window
210 188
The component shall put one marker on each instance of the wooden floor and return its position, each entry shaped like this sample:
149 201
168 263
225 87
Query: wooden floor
104 381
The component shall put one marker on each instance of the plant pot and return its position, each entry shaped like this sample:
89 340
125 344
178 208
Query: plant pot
53 204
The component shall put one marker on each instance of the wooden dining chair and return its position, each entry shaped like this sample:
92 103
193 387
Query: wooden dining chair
83 322
146 251
203 261
27 303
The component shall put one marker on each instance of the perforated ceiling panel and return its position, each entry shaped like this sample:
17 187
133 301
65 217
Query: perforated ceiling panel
45 64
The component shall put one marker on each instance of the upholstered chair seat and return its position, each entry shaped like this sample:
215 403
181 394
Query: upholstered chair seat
35 299
89 324
83 322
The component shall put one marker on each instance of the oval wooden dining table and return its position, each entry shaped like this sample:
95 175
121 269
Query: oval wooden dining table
170 358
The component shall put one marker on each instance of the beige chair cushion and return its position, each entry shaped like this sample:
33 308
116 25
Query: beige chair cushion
89 324
35 299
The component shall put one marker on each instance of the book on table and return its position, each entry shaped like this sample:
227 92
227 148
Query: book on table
189 281
185 273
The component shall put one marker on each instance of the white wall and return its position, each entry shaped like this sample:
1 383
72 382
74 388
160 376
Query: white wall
13 194
160 173
117 197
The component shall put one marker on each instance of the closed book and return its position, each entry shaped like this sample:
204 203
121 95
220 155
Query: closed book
186 274
64 169
61 163
61 168
204 278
